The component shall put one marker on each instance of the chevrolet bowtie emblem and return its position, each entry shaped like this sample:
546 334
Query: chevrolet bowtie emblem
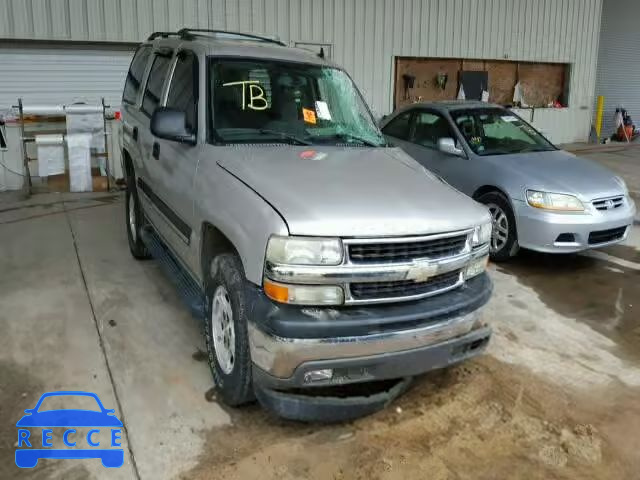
420 272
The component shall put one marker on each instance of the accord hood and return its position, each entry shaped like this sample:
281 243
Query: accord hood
351 192
560 172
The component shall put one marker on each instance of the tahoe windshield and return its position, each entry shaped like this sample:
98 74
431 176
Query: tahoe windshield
282 102
494 131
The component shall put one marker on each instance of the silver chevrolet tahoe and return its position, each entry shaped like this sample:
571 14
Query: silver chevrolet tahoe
317 255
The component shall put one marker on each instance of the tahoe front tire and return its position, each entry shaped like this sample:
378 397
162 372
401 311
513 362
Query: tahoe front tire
226 332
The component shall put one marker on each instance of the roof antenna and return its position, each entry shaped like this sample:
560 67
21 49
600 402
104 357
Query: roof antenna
321 54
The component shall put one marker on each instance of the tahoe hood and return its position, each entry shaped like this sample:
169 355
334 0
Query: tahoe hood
352 192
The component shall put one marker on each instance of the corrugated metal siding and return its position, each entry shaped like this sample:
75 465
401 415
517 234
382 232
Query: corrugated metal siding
618 73
365 34
59 75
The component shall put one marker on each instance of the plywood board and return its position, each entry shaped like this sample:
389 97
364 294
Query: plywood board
542 83
502 80
473 65
425 71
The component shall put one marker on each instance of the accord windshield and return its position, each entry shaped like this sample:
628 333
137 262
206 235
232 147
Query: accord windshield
255 101
495 131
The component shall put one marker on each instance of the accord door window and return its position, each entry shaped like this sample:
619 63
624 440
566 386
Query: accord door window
429 128
399 127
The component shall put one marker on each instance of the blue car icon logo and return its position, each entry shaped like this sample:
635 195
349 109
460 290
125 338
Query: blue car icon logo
98 421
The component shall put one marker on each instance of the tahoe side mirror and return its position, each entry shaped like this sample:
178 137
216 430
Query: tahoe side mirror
171 124
448 145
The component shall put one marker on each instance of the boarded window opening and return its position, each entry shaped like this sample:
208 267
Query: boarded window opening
542 83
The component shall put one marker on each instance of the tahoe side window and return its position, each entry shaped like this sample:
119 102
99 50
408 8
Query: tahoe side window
429 128
134 77
183 90
399 126
152 93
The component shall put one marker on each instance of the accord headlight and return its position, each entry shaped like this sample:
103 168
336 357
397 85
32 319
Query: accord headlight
304 250
554 201
481 234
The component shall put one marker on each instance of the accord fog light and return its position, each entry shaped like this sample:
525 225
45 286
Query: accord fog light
477 267
304 250
304 294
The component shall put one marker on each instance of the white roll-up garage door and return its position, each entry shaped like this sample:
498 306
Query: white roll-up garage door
62 74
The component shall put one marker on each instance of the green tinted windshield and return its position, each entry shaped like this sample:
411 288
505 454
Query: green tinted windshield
495 131
282 102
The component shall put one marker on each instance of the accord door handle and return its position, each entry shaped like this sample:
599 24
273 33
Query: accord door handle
134 134
155 151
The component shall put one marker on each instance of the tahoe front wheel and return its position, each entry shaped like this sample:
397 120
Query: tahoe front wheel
226 332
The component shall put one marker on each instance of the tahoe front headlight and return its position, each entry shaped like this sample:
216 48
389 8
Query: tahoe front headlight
481 234
304 250
554 201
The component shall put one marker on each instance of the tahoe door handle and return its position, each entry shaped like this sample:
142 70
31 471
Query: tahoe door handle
155 151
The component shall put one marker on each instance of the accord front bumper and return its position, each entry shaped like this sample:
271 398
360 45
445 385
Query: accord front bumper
547 231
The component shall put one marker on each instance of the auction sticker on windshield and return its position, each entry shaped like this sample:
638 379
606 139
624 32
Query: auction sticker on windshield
53 430
309 115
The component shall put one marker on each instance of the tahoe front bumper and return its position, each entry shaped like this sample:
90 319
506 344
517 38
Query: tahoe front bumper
288 344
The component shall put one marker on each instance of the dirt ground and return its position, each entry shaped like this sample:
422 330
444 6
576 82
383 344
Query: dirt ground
482 420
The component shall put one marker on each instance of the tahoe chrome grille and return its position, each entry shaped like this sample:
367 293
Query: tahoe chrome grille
405 288
406 251
390 269
611 203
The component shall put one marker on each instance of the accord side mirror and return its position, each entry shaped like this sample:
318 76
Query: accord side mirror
171 124
448 145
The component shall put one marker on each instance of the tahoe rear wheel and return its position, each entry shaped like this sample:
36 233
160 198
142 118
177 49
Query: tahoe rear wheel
504 237
226 330
135 220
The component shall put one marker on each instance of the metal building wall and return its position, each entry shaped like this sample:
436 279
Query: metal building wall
618 72
365 34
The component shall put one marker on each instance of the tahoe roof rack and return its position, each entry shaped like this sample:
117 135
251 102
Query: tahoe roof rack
155 35
191 33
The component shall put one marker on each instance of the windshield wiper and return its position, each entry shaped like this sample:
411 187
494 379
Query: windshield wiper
534 149
285 136
355 138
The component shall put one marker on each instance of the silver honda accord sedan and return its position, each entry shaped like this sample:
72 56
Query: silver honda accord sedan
540 197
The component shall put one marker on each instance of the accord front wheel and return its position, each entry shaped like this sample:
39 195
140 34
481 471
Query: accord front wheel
504 237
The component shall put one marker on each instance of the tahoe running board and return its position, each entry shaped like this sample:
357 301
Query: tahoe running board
188 288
